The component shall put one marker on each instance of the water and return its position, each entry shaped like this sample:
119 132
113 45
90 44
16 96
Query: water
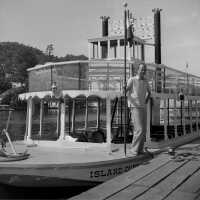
8 192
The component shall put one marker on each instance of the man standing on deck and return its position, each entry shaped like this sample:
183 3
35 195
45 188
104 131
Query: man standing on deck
138 93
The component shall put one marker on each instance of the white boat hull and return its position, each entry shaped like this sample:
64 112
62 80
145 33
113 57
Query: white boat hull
42 174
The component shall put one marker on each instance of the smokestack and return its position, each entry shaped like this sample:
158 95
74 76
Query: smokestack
157 38
105 25
157 35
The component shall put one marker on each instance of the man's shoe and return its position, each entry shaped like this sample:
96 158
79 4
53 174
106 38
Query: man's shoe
133 153
146 151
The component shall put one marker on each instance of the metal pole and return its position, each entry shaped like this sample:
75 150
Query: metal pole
125 108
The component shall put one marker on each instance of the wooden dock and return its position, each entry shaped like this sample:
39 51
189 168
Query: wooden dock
169 177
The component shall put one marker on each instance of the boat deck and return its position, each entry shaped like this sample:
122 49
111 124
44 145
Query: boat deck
63 152
164 177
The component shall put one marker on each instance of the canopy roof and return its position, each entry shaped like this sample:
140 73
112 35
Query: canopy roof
72 94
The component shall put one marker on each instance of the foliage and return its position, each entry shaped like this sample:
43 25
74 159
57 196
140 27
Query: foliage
16 58
69 57
10 96
49 50
4 84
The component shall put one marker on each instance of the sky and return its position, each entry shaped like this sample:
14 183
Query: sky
68 24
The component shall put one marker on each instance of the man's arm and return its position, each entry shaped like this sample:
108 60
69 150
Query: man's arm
129 85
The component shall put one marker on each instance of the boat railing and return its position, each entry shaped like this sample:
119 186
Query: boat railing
171 116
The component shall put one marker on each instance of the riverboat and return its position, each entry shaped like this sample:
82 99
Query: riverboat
97 149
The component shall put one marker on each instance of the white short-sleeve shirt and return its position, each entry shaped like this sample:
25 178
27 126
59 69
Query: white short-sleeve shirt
137 92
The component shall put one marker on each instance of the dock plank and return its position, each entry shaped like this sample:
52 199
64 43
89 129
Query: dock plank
188 190
192 185
129 193
181 195
117 184
143 185
169 184
161 173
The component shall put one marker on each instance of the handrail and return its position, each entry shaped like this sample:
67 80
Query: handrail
178 117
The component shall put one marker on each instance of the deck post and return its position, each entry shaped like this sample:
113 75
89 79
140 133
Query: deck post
69 116
184 128
73 116
138 51
29 120
99 50
58 119
108 123
133 50
175 116
191 117
93 50
165 120
98 114
118 49
129 53
86 114
62 120
121 117
26 131
41 116
197 116
148 134
117 112
108 50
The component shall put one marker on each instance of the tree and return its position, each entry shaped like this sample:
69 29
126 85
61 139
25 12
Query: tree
4 81
49 52
16 59
25 59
